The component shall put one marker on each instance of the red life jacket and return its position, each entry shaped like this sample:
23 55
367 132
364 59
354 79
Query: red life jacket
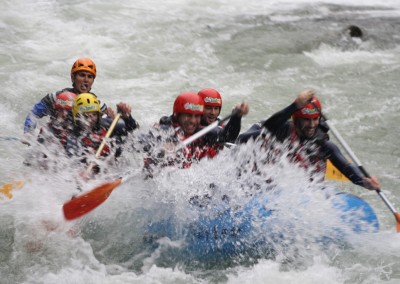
93 140
53 134
305 157
196 150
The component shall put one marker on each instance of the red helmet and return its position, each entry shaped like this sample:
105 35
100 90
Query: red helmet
64 100
84 64
188 103
211 97
311 110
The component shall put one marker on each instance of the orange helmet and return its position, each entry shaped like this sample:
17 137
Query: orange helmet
311 110
84 64
211 97
188 103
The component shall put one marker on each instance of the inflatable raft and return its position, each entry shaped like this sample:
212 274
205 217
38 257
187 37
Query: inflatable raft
255 229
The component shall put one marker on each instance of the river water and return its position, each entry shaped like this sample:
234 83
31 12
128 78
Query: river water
147 52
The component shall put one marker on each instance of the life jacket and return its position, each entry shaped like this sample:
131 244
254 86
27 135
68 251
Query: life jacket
93 140
203 123
60 132
307 153
53 134
196 150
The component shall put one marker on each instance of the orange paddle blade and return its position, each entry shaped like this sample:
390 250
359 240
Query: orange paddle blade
88 201
397 215
6 189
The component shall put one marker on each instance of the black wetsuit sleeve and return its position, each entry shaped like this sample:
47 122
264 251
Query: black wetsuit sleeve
342 164
123 128
165 120
275 122
130 123
229 133
252 133
278 124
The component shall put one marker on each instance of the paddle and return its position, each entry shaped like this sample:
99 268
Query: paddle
9 138
362 169
6 189
103 143
86 202
75 206
331 171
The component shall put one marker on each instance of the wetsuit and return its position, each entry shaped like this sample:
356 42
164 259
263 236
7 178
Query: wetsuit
80 144
53 138
45 107
55 133
206 146
204 123
282 129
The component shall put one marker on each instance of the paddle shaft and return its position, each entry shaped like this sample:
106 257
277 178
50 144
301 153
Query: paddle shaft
9 138
204 130
86 202
103 143
359 165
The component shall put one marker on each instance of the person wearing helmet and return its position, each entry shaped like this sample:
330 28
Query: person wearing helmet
89 128
60 124
83 73
212 105
188 110
86 113
187 113
53 136
308 142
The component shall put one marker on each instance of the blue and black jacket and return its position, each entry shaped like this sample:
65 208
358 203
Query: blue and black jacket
45 107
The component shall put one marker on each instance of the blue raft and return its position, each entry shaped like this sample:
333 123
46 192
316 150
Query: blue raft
256 229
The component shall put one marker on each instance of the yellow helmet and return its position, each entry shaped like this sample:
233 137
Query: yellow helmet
84 64
85 102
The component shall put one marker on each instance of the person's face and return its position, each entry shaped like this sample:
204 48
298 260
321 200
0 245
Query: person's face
211 113
82 81
307 127
189 122
87 121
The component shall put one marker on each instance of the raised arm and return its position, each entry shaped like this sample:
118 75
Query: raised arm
231 131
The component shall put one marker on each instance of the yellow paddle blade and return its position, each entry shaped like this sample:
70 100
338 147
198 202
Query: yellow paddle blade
333 173
6 189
